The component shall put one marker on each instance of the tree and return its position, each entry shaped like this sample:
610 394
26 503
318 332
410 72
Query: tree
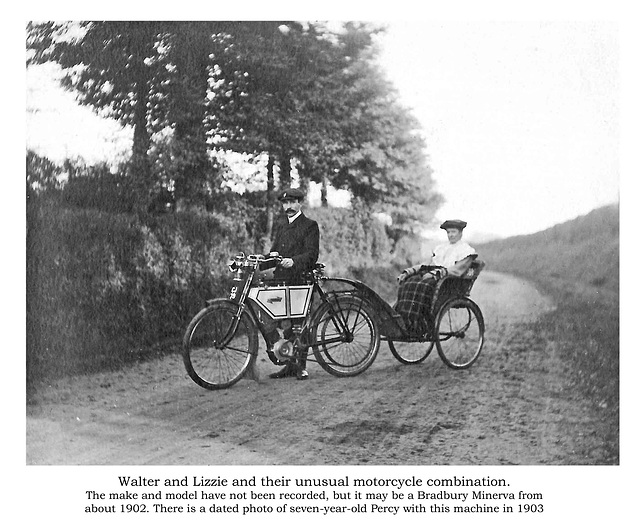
42 175
286 81
308 96
147 75
317 97
382 157
191 51
113 67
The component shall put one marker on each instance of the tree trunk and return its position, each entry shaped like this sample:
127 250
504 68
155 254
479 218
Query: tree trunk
190 111
285 171
304 183
140 165
270 206
323 191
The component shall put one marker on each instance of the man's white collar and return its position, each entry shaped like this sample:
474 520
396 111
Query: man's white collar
293 218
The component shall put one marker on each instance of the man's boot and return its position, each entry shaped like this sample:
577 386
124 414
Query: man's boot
301 373
288 371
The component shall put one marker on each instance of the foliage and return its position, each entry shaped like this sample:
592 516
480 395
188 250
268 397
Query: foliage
43 176
583 252
577 264
106 278
148 75
411 249
102 286
297 91
381 156
114 67
77 184
287 96
97 187
350 239
587 327
319 97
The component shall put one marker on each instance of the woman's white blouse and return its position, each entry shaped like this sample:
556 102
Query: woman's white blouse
448 254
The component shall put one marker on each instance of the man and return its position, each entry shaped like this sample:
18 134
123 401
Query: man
297 240
417 283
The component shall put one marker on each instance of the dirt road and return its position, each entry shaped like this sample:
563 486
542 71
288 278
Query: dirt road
512 407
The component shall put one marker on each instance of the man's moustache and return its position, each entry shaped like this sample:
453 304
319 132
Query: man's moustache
290 211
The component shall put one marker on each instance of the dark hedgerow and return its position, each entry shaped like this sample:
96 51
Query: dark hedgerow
102 286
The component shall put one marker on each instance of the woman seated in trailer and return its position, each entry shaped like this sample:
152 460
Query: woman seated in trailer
417 283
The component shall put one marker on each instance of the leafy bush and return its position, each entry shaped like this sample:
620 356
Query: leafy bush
350 239
42 175
95 188
103 286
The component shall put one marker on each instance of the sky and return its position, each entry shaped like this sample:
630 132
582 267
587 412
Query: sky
520 119
60 128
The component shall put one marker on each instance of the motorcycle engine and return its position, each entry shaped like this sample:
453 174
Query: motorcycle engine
283 349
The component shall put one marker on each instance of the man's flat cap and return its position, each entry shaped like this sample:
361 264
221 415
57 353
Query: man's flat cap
291 193
454 224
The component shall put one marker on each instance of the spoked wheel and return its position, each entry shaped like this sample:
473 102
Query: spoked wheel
347 337
216 358
411 353
459 333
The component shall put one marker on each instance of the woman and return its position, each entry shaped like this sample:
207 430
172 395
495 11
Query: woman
417 283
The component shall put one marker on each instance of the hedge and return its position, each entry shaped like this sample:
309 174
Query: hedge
105 288
102 287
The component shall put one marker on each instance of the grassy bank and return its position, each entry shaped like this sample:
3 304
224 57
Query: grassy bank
577 264
586 325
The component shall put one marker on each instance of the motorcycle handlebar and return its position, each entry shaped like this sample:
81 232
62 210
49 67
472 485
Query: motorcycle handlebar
242 260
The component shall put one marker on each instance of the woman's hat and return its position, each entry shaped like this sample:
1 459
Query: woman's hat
454 224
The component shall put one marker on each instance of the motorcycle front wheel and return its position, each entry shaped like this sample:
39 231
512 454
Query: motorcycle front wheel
217 350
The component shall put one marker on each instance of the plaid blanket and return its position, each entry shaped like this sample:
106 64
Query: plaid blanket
414 299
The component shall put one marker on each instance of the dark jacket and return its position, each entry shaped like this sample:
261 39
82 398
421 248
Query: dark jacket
299 240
